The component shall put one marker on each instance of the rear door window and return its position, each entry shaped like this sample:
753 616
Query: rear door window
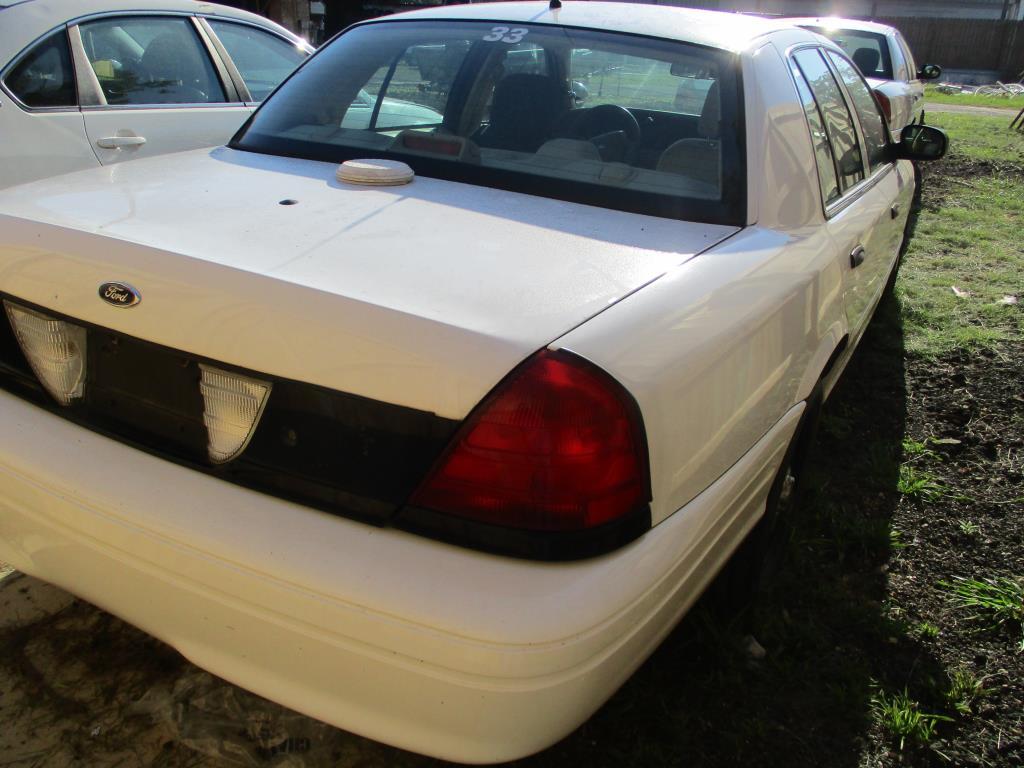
819 139
839 125
150 60
871 121
44 77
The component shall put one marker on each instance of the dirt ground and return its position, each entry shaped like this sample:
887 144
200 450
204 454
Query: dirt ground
861 607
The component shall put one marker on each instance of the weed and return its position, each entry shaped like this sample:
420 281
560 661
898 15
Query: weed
918 484
997 602
917 449
967 528
926 629
896 539
902 717
964 690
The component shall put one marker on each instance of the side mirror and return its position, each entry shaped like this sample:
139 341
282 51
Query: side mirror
930 72
922 142
579 92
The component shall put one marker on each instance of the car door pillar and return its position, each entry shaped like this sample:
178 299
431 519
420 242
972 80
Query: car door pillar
89 92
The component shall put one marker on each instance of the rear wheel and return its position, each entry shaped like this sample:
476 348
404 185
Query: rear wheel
756 562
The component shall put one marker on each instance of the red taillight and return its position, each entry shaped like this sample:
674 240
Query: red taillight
885 104
557 446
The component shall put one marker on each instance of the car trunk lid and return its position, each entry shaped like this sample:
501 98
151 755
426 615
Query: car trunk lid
423 295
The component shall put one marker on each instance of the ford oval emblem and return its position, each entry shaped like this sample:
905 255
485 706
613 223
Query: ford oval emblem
120 294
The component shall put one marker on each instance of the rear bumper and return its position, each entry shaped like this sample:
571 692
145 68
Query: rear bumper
429 647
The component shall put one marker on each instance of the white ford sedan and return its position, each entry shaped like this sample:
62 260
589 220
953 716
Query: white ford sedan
96 82
434 431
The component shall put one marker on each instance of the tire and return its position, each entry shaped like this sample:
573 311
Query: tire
756 562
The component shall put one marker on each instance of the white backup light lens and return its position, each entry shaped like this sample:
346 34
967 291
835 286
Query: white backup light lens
232 405
55 350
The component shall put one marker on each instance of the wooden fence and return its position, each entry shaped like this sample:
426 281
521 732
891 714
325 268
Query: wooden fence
965 43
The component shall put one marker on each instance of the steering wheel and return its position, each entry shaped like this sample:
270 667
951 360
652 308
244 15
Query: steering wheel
608 118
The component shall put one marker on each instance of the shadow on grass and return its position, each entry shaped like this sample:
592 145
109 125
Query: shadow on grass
831 638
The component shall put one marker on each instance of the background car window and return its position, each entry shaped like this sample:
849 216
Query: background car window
150 60
868 50
838 122
871 121
899 64
616 78
909 56
409 92
263 59
45 77
819 138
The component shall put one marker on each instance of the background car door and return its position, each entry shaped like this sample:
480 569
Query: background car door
42 129
159 87
915 85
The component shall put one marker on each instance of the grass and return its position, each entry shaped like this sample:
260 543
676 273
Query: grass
965 689
902 718
919 484
971 242
972 100
997 602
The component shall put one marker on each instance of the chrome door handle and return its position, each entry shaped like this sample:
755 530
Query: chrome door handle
857 256
116 142
895 210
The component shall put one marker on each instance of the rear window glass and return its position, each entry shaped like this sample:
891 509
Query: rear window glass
601 118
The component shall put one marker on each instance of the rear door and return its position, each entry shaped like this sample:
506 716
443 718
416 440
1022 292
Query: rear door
157 88
40 123
858 184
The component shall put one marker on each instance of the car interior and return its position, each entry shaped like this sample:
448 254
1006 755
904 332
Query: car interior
150 61
587 114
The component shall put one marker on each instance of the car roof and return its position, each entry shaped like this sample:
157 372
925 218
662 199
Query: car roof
24 22
835 22
730 31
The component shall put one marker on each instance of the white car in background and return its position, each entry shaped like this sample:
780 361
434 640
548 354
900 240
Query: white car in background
884 58
96 82
434 431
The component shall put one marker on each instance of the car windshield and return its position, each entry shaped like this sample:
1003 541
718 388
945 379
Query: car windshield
608 119
869 50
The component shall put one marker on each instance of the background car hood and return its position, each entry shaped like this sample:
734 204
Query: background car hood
424 295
